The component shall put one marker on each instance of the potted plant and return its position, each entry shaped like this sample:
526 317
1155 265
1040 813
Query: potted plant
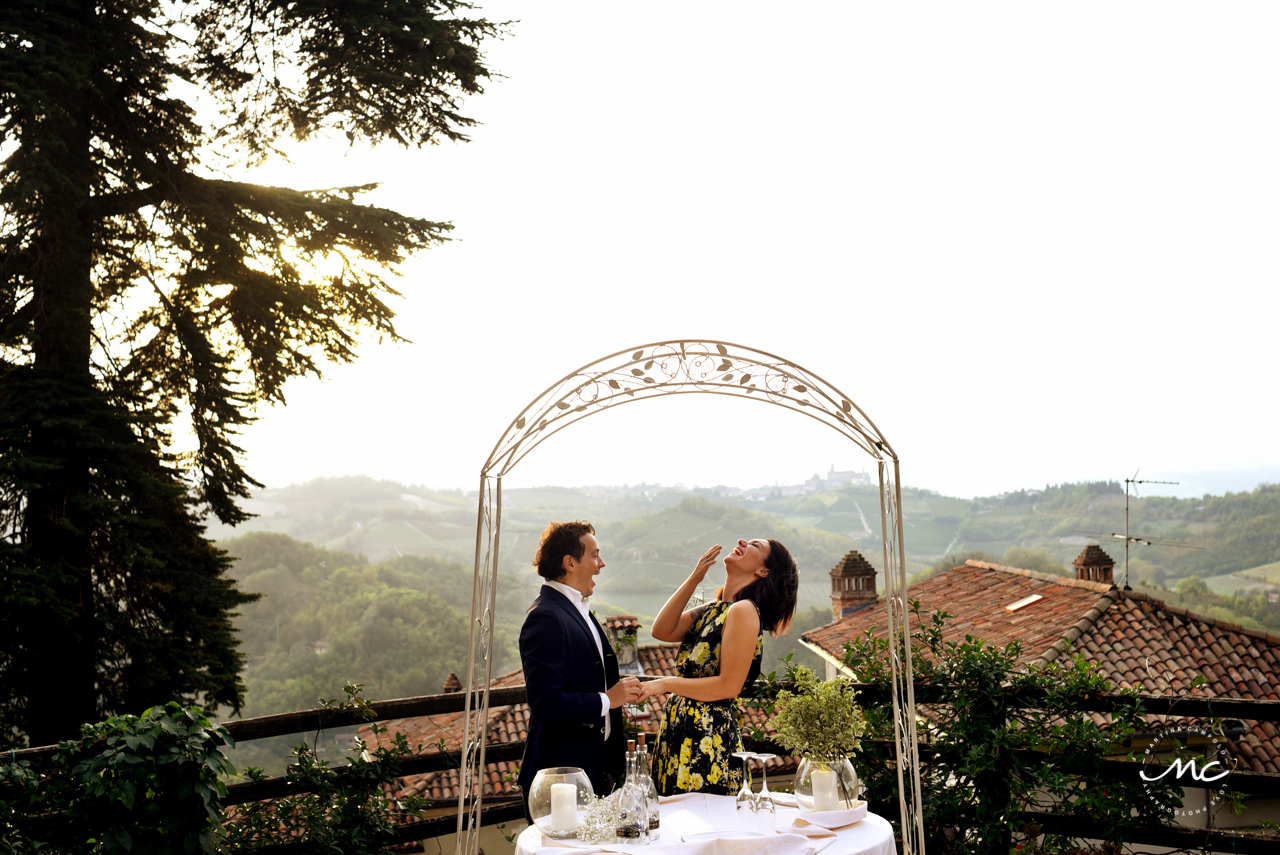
820 722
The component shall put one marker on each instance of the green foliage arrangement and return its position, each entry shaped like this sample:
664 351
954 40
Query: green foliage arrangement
820 718
152 784
145 784
346 809
990 757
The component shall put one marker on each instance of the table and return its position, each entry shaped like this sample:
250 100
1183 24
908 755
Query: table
695 813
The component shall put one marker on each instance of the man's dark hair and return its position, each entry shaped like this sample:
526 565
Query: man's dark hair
558 540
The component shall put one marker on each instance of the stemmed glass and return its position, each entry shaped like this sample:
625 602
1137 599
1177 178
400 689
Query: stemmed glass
766 807
745 804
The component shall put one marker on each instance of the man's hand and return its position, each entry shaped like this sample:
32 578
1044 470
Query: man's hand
625 691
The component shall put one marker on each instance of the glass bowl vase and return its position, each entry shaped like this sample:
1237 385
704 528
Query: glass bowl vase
826 783
558 797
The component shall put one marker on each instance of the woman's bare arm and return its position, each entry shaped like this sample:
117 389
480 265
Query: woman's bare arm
673 621
737 649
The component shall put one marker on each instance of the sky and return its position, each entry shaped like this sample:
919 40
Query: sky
1036 243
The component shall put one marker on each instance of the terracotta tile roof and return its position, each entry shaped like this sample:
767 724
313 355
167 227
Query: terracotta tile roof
621 624
1143 640
976 595
1133 638
511 723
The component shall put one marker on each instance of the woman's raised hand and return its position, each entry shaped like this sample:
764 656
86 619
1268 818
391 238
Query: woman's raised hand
704 563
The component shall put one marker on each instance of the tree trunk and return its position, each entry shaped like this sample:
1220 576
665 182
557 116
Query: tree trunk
57 530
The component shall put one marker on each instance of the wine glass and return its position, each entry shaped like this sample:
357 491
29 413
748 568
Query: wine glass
745 804
766 807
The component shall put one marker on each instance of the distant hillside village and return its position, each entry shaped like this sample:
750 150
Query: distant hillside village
834 480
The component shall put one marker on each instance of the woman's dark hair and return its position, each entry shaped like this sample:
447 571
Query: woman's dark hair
775 594
558 540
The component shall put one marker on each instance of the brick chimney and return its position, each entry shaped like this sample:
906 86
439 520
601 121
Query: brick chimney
1093 564
452 684
853 585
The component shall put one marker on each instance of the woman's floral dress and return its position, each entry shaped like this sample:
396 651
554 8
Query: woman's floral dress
694 751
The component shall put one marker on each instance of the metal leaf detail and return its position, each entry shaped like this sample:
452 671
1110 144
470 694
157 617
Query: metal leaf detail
726 378
800 387
744 379
637 372
725 366
648 365
613 384
723 352
637 354
520 423
846 406
562 405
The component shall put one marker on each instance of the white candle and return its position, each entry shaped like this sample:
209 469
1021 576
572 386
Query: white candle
564 807
824 790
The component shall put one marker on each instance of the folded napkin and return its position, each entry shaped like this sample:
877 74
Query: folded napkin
822 823
776 844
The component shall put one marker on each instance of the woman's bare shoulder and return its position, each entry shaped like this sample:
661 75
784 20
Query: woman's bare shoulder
745 610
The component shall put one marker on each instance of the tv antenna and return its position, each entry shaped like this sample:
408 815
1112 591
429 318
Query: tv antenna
1136 538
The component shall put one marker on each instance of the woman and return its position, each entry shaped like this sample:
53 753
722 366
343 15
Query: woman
720 651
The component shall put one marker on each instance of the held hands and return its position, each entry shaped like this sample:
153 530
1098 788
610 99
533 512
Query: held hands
653 687
704 563
625 691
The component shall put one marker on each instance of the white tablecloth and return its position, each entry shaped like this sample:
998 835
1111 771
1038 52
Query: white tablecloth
696 813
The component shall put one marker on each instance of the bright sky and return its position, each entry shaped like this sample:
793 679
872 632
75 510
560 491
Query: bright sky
1035 242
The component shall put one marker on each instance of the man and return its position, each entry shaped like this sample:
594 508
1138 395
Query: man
570 669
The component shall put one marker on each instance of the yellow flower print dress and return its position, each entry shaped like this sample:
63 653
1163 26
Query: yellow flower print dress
694 751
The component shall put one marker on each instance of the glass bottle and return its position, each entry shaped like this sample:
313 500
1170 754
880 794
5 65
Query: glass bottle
651 791
633 804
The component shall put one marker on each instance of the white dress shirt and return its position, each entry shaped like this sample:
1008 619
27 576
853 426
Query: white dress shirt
583 605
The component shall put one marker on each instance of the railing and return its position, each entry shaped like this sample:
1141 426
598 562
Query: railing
500 810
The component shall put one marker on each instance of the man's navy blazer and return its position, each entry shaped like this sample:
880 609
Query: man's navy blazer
564 677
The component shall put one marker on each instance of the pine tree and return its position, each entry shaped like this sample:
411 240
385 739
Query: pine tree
142 292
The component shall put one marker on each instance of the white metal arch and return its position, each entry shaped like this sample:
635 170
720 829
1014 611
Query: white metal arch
678 367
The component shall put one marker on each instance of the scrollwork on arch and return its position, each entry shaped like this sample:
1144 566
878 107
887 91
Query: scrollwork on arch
679 367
